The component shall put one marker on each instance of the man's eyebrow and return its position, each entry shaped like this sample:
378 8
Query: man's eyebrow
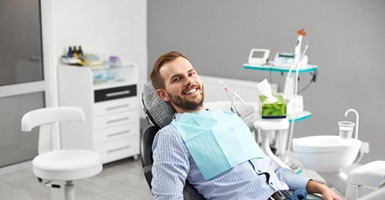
180 74
175 75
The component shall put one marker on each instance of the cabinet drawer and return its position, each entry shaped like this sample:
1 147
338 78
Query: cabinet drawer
118 149
114 93
114 106
116 132
115 119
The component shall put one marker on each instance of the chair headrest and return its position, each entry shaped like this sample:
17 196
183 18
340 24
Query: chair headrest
157 111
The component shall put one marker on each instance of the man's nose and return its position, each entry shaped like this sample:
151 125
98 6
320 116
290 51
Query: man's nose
189 81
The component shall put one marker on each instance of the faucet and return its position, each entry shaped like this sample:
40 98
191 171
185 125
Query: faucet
357 119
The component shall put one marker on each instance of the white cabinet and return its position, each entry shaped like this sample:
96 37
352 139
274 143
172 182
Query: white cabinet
111 105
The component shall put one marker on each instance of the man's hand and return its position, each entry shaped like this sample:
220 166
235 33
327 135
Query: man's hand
325 191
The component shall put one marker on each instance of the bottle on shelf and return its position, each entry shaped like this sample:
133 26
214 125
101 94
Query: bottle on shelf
69 53
80 52
114 62
75 52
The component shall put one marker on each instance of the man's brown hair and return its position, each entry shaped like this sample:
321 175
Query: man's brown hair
155 76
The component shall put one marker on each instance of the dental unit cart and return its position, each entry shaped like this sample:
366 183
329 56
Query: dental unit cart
284 141
282 125
295 111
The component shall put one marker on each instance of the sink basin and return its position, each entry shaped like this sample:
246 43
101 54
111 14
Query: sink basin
326 153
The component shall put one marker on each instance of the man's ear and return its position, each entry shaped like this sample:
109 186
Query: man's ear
163 95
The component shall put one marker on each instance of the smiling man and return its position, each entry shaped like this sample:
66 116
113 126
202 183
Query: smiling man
184 88
213 150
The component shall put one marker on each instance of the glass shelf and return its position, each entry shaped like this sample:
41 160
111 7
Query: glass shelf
114 76
309 68
103 67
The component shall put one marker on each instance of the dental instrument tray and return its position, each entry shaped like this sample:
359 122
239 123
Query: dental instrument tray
270 109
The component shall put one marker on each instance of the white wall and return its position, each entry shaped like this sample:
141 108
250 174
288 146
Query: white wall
117 27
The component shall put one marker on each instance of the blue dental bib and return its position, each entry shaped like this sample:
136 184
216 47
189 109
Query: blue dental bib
216 140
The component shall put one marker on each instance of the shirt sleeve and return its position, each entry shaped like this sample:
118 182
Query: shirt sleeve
288 176
171 165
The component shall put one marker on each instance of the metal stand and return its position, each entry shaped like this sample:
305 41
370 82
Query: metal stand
267 128
69 191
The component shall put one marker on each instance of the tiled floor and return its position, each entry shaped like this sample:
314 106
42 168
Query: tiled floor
121 180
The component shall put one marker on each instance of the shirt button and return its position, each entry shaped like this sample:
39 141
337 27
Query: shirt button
271 183
259 171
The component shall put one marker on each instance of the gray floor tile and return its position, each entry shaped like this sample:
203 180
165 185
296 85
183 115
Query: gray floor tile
120 180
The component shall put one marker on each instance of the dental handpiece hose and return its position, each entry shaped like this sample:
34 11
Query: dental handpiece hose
297 71
297 56
235 95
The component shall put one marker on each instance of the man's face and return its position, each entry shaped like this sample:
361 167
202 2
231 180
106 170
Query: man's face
184 89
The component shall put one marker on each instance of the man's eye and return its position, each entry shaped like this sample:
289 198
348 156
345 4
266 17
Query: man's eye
175 79
191 73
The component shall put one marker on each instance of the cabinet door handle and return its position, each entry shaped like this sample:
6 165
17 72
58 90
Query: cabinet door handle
118 133
117 120
118 107
113 94
118 149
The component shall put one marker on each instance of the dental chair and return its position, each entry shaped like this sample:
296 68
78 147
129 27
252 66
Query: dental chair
63 164
158 114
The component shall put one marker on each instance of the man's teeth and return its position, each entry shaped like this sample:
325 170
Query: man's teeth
190 91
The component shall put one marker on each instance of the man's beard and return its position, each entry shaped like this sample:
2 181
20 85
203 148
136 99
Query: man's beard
184 103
